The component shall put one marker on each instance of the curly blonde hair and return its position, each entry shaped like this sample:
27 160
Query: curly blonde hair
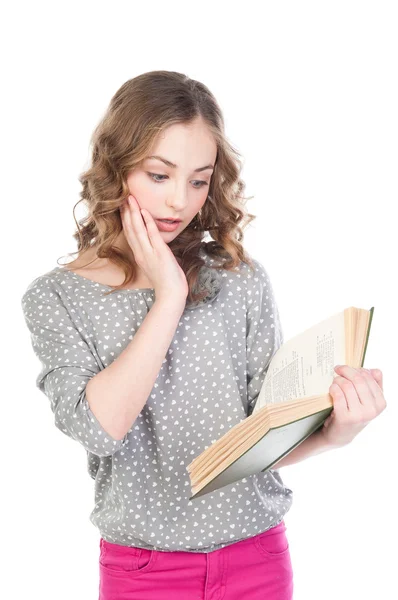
140 110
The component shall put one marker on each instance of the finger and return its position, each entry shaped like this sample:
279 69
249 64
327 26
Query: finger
372 382
378 400
378 376
139 231
152 229
351 396
340 404
360 381
128 229
376 381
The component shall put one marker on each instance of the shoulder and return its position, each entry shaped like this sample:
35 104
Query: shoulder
46 308
243 270
248 283
42 289
259 290
255 275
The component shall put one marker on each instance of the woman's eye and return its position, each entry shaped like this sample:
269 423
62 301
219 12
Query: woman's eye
153 175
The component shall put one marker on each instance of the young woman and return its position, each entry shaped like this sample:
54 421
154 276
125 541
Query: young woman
154 343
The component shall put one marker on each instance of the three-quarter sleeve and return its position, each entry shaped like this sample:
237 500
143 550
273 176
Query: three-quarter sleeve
67 365
264 335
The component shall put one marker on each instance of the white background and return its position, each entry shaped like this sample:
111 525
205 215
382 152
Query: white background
309 95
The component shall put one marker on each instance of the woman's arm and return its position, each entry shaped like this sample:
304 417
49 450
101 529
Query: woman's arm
117 394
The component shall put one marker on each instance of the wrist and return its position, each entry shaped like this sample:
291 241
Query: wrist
328 442
170 302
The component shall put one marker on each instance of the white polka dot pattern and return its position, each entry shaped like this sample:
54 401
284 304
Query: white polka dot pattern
209 381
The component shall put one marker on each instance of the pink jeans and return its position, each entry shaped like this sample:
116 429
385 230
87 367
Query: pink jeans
255 568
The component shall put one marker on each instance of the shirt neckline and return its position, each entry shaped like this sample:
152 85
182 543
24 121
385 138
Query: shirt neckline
104 285
209 279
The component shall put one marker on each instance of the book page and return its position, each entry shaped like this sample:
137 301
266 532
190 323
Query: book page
304 365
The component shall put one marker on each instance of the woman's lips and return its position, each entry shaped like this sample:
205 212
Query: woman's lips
162 226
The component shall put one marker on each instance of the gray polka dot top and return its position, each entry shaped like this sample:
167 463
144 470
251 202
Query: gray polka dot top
209 381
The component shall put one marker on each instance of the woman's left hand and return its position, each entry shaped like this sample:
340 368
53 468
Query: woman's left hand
357 399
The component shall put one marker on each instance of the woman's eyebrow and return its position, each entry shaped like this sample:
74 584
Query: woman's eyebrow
172 165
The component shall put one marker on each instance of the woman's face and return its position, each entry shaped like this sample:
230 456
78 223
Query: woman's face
176 192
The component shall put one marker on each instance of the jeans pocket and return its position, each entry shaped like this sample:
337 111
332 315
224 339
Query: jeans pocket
273 542
120 560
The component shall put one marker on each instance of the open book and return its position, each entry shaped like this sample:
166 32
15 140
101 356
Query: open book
293 403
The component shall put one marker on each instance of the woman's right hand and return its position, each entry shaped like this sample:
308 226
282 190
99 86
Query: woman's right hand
151 252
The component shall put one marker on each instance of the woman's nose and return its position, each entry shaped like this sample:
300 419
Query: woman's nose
178 201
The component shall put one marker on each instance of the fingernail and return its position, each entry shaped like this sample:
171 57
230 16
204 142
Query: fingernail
129 199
